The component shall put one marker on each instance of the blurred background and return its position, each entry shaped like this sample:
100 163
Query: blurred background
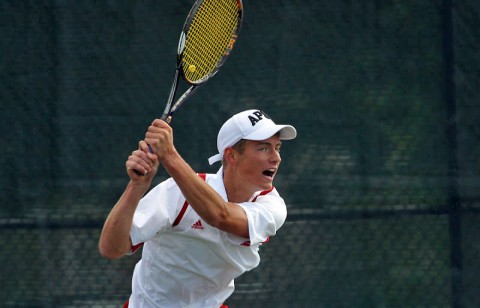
382 183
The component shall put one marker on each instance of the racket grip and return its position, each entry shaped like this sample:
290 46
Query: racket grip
138 172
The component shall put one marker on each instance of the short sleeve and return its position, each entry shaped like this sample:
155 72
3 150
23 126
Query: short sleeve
265 216
155 212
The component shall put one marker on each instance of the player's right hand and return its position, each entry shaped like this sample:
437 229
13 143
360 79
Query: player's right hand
142 165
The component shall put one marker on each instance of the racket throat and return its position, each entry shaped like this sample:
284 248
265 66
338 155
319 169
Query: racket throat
166 116
170 108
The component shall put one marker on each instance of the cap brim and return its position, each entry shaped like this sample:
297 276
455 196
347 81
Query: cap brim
214 159
287 132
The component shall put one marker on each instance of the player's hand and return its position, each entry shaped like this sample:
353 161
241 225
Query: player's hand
160 138
142 165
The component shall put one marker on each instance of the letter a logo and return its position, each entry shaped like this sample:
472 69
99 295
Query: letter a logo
255 117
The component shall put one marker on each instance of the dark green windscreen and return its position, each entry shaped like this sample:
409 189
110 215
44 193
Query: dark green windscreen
382 182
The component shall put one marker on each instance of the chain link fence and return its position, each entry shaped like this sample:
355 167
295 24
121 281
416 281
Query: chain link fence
382 182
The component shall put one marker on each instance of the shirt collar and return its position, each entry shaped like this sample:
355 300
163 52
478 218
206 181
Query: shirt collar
218 184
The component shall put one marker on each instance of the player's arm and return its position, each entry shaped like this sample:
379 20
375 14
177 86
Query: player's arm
226 216
115 239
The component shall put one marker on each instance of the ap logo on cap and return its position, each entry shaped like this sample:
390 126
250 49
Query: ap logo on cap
257 116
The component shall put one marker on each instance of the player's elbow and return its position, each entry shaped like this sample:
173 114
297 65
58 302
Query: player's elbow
219 220
108 251
104 252
231 220
217 217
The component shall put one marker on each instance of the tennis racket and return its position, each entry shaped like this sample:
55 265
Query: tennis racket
207 38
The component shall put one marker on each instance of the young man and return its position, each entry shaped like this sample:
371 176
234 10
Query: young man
199 231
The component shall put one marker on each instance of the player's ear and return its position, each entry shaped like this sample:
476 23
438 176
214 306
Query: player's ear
230 155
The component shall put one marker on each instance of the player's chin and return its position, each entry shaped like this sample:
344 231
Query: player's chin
267 183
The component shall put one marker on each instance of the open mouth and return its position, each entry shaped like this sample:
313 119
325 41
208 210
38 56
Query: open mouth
269 172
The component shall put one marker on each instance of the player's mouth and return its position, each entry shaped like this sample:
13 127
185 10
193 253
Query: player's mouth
269 173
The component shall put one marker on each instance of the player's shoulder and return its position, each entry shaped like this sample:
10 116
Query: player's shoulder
268 196
272 192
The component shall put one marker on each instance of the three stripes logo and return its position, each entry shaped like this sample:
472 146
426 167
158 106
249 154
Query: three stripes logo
198 225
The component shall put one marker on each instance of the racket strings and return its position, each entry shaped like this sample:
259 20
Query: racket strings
217 23
209 37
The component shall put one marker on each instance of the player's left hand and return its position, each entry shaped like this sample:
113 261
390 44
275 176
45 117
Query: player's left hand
141 164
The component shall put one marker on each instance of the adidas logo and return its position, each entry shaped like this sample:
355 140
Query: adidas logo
198 225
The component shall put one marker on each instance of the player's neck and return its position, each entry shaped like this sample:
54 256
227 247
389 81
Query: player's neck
237 190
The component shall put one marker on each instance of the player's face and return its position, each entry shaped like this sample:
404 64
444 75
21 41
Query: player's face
258 164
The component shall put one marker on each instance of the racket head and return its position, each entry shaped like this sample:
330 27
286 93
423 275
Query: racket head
208 36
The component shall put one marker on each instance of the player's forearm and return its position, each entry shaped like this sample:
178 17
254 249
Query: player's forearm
204 200
115 238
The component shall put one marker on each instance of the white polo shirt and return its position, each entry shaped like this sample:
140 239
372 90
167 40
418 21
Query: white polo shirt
188 263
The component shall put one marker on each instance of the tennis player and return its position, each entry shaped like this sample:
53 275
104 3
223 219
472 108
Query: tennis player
198 231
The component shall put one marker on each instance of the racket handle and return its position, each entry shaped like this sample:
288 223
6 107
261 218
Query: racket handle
138 172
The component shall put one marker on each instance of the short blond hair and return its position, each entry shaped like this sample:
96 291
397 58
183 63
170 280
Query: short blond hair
239 147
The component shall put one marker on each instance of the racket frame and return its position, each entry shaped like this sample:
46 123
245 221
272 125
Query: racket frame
170 108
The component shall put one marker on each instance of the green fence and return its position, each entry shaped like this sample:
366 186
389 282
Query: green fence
382 183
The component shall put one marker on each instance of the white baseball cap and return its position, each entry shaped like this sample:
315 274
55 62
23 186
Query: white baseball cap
251 124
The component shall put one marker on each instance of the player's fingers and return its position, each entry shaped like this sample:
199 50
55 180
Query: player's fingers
163 132
140 153
158 133
139 161
161 124
162 137
152 145
145 147
135 170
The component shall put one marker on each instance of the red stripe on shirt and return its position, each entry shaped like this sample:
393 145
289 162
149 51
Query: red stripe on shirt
263 193
136 247
180 215
185 205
